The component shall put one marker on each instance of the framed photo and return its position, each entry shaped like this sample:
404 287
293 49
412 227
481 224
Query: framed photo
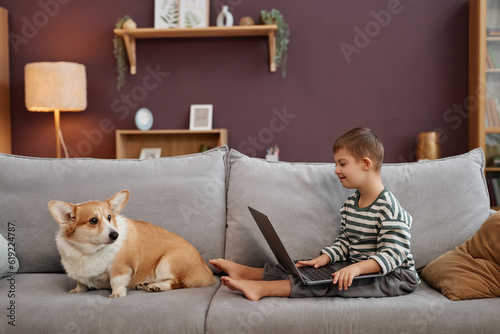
166 14
150 153
194 13
201 117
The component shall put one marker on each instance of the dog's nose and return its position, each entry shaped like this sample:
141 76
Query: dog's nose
113 235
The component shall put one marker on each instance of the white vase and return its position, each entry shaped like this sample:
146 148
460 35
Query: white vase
225 14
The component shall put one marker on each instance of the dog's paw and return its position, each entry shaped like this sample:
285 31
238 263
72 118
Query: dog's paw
142 286
79 289
76 290
118 294
153 288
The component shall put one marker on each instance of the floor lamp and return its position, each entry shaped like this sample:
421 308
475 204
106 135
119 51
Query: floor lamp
55 86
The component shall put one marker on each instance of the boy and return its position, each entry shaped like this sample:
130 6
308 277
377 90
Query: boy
375 235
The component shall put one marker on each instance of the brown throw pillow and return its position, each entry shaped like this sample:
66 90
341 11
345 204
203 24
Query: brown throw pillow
471 270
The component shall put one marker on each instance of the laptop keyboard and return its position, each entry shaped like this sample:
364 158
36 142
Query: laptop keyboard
316 274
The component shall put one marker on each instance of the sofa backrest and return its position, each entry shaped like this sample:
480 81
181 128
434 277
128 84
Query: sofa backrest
185 195
447 198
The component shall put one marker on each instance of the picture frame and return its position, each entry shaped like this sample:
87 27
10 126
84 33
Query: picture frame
194 13
201 117
150 153
166 14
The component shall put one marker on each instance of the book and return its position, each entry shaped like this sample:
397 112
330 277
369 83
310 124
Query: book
489 183
493 56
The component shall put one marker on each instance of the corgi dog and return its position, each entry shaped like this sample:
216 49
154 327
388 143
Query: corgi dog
102 249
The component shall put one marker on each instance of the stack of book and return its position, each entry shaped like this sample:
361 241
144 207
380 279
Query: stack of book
492 112
491 58
493 32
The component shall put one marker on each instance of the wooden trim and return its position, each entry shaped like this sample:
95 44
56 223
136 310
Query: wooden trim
236 31
5 121
129 143
477 72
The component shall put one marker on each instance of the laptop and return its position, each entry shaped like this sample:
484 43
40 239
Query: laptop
307 275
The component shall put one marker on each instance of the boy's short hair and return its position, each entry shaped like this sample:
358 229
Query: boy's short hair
362 142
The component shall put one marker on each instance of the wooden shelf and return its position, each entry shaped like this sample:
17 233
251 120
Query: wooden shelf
129 143
492 129
130 36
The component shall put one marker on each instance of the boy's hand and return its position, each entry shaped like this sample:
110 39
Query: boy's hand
320 261
345 276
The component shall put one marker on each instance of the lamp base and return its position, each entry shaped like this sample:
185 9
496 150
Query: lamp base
57 125
59 136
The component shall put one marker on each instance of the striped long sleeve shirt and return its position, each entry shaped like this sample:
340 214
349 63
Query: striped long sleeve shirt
380 231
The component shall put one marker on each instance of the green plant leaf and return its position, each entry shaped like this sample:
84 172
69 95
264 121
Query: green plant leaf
192 20
120 54
171 18
282 36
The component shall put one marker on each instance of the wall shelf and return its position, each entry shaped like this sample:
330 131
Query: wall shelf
129 143
131 35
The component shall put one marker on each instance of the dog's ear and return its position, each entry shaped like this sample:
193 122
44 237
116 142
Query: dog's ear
63 213
118 201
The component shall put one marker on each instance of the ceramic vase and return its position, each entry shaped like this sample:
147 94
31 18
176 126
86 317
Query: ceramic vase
225 14
428 147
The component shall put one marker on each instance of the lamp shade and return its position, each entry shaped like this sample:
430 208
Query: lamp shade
55 86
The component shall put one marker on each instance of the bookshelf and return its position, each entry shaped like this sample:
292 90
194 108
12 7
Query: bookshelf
129 143
484 88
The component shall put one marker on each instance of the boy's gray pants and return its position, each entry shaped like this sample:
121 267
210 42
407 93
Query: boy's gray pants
397 282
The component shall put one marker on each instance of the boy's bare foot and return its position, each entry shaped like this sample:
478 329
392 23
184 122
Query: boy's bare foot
249 288
255 290
236 270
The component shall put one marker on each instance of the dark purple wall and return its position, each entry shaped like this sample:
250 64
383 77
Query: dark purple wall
399 74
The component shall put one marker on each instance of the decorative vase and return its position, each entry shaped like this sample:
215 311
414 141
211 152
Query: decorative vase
129 24
428 147
246 21
225 14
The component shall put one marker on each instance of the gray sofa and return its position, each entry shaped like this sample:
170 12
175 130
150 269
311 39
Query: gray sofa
204 198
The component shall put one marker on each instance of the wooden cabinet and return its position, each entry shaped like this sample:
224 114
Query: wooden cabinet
129 143
5 127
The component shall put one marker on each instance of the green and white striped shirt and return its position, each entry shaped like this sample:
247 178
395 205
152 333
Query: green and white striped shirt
380 231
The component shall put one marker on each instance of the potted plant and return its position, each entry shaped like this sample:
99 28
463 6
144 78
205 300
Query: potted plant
119 49
282 38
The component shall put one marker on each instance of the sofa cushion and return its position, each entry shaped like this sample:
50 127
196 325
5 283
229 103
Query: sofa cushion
422 311
471 270
185 195
447 198
41 304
